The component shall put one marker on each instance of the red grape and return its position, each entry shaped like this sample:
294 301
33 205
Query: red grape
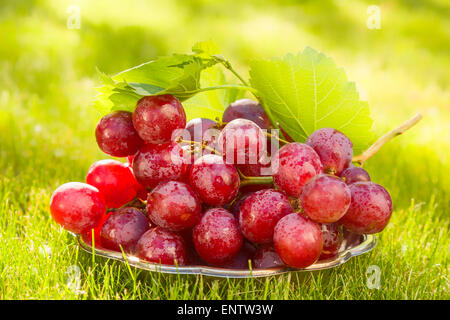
116 135
162 246
325 198
334 149
247 109
216 182
354 174
242 142
266 257
260 212
77 207
154 163
124 228
217 237
198 129
370 209
297 240
293 165
156 117
332 239
173 205
114 180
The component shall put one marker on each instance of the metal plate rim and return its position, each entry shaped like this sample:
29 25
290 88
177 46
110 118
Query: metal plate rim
368 243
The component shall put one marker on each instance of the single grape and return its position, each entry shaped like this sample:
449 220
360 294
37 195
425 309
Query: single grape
173 205
198 129
241 260
242 142
297 240
162 246
325 198
354 174
217 237
293 165
334 149
87 237
77 207
116 136
154 163
156 117
247 109
332 239
370 209
266 257
216 182
260 212
123 229
114 180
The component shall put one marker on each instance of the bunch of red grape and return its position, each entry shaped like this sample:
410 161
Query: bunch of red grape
219 193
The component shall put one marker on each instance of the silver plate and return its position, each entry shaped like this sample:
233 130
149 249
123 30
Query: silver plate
352 246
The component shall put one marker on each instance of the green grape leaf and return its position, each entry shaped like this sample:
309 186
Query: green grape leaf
306 92
178 74
211 104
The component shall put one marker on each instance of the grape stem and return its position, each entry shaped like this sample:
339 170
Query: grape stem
360 159
245 180
200 144
277 137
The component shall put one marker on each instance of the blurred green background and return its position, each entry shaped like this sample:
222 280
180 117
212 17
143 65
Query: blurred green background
47 80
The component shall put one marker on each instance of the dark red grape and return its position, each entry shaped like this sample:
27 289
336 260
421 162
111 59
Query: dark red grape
162 246
354 174
241 260
116 135
293 165
77 207
124 228
217 237
242 142
370 209
334 149
87 237
173 205
266 257
216 182
114 180
157 117
297 240
332 239
325 198
260 212
154 163
247 109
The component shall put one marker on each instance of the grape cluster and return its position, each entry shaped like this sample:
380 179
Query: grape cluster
217 193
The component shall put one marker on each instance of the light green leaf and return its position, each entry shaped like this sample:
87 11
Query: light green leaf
211 104
178 75
306 92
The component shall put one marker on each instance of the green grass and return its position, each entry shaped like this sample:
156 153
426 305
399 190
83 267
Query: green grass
47 75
